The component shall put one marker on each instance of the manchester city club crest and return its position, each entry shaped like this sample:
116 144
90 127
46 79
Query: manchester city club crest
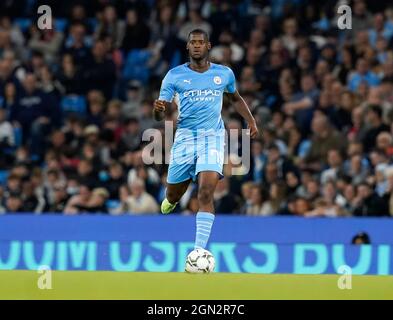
217 80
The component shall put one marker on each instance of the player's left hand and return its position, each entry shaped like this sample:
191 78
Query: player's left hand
254 132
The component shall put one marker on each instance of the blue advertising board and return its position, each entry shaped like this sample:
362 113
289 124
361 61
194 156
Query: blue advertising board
161 243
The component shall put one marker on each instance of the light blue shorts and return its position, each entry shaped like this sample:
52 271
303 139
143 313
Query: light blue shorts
194 153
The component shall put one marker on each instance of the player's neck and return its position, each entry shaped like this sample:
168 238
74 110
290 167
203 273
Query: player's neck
199 65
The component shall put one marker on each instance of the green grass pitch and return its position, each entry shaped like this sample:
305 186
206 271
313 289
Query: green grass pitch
182 286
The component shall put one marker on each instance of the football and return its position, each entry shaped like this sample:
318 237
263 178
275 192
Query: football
200 261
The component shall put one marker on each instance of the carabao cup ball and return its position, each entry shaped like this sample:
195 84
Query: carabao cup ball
200 261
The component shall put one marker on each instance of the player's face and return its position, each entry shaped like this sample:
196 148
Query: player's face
198 47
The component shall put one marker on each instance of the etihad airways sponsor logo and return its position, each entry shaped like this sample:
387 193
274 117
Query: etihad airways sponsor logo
201 93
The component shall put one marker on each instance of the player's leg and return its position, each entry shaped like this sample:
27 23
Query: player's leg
207 182
180 172
208 169
174 192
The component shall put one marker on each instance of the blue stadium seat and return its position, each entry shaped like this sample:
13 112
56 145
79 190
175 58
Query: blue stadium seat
176 60
304 147
18 142
61 24
92 23
136 65
270 100
3 176
23 23
74 103
18 135
112 204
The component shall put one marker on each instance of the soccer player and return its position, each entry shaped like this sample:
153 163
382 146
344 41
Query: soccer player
198 150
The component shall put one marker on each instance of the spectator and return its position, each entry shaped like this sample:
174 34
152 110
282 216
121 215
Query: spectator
368 203
46 41
312 191
301 207
361 238
78 15
362 74
100 71
60 199
14 204
290 30
303 103
97 201
388 196
381 28
376 126
334 161
258 160
324 138
145 117
284 165
246 193
224 201
77 202
116 180
96 102
362 18
277 196
31 203
7 138
86 173
78 45
195 22
343 69
384 142
110 25
70 76
164 31
226 40
35 113
259 203
344 110
147 174
139 201
137 33
13 185
131 136
357 169
135 94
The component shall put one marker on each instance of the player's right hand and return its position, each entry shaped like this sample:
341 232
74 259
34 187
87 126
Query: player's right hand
254 132
159 105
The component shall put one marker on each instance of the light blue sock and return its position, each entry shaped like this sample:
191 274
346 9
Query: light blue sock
204 223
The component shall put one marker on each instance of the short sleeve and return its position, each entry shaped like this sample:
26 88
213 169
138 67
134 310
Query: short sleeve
167 90
231 86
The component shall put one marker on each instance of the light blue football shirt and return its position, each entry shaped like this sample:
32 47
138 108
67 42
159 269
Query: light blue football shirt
198 95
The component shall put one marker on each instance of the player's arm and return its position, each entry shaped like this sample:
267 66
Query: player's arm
163 102
159 108
242 108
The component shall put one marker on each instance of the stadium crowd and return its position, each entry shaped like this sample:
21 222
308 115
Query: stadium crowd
76 99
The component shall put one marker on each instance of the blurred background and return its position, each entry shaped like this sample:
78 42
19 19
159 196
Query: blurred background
75 100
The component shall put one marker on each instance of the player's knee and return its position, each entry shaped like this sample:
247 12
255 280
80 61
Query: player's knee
205 194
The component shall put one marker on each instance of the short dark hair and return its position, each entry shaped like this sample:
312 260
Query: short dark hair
387 79
273 146
363 237
363 183
375 109
199 31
